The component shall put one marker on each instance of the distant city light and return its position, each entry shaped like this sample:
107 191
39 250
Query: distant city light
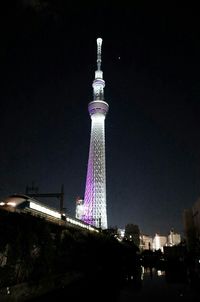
11 203
160 273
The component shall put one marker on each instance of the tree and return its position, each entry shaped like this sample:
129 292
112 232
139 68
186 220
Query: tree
132 233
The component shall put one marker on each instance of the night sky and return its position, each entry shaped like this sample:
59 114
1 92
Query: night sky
151 65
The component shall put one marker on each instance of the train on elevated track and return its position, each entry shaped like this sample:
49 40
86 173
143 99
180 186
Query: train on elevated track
25 204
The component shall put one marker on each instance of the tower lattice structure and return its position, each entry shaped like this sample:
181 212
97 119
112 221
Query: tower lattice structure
95 211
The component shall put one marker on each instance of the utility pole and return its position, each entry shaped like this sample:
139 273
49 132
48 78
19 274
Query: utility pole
57 195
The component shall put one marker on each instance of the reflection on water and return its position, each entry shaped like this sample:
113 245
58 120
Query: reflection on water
150 272
145 273
160 273
156 284
142 273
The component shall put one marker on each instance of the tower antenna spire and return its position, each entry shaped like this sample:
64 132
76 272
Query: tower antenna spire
99 44
98 83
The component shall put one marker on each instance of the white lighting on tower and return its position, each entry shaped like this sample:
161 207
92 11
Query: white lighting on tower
95 211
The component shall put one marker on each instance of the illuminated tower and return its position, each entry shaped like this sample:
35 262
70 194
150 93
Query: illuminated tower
95 192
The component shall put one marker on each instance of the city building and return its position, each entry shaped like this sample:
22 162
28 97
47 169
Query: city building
159 242
196 216
95 212
191 222
79 208
146 242
173 238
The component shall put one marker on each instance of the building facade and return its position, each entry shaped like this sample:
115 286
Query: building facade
191 221
146 242
173 238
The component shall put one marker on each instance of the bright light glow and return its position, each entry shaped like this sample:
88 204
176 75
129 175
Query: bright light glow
160 273
157 242
99 41
99 74
45 210
2 203
81 224
142 274
79 211
11 203
98 118
121 232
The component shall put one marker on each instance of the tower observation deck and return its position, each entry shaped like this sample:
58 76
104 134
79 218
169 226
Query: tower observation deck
95 212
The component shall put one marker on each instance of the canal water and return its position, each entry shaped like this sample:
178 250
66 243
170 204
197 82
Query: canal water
153 285
157 286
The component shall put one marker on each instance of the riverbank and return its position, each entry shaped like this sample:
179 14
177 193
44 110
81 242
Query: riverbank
33 290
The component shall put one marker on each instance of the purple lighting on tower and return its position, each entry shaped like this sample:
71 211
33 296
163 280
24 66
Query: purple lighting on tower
95 212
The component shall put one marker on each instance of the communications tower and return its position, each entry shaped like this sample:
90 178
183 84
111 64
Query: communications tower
95 212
